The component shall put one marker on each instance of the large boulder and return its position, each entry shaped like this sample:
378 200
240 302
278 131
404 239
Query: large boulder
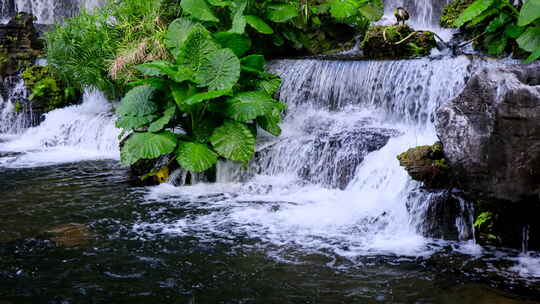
397 42
491 133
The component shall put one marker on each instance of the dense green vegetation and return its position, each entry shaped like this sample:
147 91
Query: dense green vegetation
47 90
192 72
503 26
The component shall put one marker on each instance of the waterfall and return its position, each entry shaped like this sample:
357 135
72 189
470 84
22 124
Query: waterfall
424 14
46 11
15 113
75 133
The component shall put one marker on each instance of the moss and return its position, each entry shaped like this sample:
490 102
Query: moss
18 107
427 164
397 42
47 90
452 11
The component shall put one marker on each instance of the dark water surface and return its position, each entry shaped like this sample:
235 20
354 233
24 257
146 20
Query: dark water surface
66 236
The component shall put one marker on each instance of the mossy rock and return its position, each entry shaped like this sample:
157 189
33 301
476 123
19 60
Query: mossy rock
451 12
47 91
428 165
397 42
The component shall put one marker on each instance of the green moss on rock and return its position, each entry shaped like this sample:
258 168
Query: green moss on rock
397 42
452 11
427 164
47 90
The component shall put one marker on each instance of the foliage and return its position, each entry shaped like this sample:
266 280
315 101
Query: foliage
505 25
98 49
451 12
205 104
47 89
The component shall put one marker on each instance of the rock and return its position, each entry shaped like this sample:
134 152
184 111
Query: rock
427 164
70 235
397 42
19 44
491 133
438 212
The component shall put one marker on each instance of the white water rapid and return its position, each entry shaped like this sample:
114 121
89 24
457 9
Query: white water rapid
75 133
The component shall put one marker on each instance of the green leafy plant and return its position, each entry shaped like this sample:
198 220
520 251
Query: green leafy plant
504 25
205 104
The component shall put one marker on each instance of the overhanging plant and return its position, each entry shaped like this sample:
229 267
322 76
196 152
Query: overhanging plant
206 104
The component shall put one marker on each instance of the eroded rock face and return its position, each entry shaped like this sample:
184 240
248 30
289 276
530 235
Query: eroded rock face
491 133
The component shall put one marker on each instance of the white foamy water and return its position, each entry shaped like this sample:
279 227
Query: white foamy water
331 183
75 133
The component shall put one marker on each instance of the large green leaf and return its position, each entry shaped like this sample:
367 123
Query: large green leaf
255 62
148 146
134 122
270 86
138 102
282 12
159 124
234 140
178 32
373 10
219 71
156 68
270 122
205 128
195 49
199 97
199 9
249 105
529 12
180 93
219 2
239 44
472 11
238 18
259 25
498 22
342 9
534 56
195 156
530 40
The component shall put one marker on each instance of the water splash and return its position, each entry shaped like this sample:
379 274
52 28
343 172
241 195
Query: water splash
74 133
15 113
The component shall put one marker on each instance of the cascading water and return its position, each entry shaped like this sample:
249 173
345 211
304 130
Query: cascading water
15 114
424 15
331 181
74 133
46 11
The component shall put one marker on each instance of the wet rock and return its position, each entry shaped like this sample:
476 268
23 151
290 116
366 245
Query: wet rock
19 44
70 235
397 42
441 214
427 164
491 133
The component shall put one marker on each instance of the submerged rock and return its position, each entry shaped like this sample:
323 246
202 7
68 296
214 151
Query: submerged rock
397 42
70 235
427 164
491 133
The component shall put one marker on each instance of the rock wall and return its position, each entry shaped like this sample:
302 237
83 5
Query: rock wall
491 133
